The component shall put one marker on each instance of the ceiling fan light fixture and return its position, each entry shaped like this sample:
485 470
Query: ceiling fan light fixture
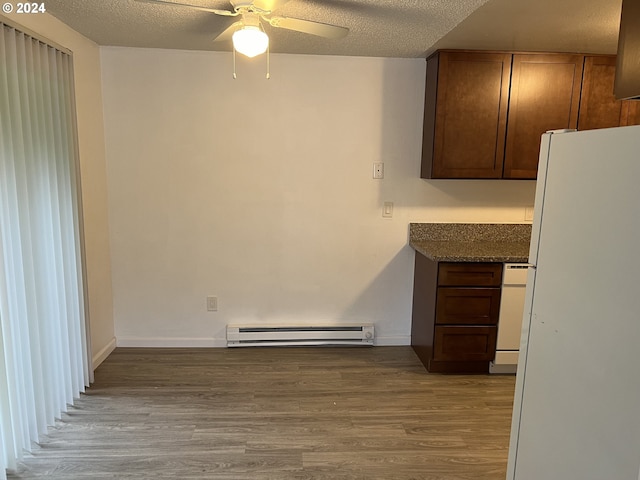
250 41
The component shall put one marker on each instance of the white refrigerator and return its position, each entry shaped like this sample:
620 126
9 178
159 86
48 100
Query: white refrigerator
577 404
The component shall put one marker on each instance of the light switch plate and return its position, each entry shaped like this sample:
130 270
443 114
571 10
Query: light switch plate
387 210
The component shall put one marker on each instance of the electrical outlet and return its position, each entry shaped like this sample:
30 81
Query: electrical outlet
212 304
378 170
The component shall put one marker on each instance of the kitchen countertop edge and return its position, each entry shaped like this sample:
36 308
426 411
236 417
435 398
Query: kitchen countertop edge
502 243
447 251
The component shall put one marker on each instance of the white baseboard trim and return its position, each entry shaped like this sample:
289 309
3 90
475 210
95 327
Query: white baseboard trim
393 341
102 355
171 342
182 342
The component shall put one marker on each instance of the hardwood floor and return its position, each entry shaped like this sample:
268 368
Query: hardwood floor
279 414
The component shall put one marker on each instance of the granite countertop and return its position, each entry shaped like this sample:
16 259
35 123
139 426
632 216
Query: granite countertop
471 242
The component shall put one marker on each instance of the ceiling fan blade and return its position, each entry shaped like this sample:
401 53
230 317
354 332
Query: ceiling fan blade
226 13
227 33
306 26
269 5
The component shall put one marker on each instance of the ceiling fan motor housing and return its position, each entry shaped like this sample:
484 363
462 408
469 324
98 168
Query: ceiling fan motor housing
244 7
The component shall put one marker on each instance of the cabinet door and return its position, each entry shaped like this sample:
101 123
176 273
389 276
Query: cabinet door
630 113
465 115
598 106
545 95
464 343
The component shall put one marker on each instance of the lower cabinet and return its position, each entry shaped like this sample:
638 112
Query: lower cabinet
455 314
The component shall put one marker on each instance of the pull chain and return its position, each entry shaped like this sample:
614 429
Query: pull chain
234 64
268 61
268 76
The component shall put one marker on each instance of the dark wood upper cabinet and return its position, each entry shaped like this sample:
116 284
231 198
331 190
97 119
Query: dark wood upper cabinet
630 113
598 105
485 112
465 118
545 95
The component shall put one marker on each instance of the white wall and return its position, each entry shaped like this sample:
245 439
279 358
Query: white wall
86 63
260 192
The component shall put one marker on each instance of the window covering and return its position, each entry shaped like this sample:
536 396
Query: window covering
44 353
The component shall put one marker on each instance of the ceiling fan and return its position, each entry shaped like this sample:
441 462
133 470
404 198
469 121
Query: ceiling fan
248 35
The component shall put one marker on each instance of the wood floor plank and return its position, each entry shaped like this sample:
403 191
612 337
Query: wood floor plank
278 414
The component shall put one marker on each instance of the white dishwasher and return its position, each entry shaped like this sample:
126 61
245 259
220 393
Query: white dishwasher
514 283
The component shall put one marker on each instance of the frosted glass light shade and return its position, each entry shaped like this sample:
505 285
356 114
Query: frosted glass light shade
250 41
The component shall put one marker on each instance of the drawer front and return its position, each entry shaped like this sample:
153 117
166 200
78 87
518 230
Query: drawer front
467 306
470 274
464 343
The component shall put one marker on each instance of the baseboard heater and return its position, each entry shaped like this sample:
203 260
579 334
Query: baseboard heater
269 336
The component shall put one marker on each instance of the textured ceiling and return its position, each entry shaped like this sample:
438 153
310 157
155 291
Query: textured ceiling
583 26
379 28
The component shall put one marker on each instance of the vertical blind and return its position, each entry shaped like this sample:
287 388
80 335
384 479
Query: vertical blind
44 357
